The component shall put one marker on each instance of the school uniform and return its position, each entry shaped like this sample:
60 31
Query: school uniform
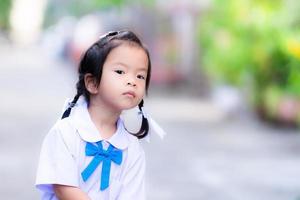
64 159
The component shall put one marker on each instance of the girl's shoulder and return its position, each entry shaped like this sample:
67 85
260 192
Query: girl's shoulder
63 130
132 140
134 145
64 126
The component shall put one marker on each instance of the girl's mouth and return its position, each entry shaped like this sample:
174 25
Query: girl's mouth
129 94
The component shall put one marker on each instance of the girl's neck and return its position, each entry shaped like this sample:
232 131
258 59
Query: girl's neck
104 119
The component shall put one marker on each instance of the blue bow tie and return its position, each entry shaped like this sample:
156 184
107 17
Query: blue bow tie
111 154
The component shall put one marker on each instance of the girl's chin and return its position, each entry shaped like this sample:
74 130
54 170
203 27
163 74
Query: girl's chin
128 106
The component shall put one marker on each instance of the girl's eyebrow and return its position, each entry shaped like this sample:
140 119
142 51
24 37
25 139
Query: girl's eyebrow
139 68
120 63
142 69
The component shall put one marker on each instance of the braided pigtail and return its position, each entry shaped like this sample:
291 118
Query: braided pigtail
143 132
71 105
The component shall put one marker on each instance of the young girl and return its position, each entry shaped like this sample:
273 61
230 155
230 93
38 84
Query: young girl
89 154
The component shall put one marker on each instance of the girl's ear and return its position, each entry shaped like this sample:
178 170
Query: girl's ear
90 84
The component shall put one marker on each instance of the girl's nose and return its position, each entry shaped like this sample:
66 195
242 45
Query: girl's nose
131 83
131 80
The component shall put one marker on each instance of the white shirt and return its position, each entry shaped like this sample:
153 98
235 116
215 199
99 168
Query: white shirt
63 158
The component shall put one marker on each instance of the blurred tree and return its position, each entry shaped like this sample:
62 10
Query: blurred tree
5 6
255 44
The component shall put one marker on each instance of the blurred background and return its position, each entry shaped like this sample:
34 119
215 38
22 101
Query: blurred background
225 87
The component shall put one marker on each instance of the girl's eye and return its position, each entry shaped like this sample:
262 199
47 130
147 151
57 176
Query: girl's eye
119 71
141 77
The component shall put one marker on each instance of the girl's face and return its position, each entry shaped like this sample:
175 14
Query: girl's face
123 79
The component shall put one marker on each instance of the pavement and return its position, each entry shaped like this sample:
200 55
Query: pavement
205 155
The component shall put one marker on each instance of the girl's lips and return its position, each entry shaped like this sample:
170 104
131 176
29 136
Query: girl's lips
129 93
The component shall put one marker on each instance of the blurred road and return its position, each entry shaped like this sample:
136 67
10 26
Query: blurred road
204 156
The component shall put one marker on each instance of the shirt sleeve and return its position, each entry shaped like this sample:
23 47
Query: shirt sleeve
133 185
57 165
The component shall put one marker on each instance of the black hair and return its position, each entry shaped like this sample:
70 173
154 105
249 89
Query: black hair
92 62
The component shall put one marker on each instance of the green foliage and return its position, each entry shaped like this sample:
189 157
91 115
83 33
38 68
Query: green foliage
4 13
248 39
256 44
